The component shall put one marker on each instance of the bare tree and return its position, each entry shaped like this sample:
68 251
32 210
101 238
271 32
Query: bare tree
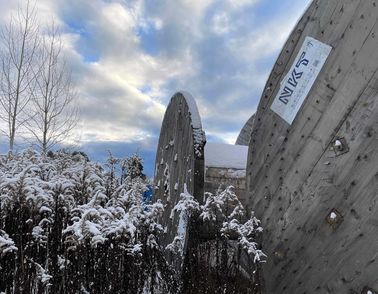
20 42
55 111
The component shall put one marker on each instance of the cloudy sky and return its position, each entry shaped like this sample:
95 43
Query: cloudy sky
128 57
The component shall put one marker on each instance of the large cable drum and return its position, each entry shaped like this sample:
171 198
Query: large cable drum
179 164
245 134
312 171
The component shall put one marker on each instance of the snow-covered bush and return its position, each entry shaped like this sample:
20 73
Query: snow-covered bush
6 244
187 205
68 225
224 216
221 233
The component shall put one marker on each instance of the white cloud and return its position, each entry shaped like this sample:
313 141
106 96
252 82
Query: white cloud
264 41
221 23
242 3
203 46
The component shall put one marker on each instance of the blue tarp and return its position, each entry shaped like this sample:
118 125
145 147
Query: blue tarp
147 195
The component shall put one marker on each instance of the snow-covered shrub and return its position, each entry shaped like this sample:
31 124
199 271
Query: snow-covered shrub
176 245
224 216
132 167
221 233
6 244
222 206
245 234
68 225
187 205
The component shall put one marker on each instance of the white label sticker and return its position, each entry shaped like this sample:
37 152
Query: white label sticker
296 85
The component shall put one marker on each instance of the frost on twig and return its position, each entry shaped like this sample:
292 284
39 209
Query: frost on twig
6 244
222 215
64 216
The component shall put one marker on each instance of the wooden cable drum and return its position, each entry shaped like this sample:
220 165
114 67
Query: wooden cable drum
312 171
245 134
179 163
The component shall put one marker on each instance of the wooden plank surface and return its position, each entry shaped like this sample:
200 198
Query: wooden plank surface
295 177
245 133
179 161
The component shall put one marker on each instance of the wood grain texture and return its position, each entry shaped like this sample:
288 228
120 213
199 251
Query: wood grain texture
220 178
179 161
245 134
295 175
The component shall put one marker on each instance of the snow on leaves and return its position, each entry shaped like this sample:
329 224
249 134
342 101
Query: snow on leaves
6 244
224 212
67 224
63 216
187 204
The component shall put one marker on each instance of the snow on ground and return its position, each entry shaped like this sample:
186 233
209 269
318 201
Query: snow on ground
226 155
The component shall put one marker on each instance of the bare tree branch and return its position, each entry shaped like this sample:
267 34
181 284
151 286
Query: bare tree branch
55 113
19 47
